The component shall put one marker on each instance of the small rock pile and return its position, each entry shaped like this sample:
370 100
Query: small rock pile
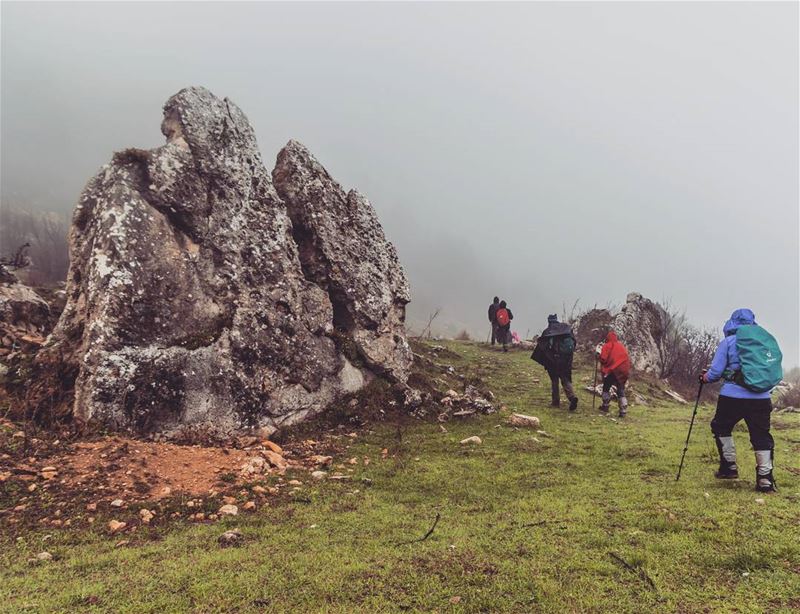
471 402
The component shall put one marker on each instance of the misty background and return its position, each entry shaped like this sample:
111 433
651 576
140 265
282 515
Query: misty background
543 152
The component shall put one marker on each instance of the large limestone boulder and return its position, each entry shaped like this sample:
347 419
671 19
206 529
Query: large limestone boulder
188 301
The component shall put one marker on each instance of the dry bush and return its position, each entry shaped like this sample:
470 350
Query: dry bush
48 254
463 336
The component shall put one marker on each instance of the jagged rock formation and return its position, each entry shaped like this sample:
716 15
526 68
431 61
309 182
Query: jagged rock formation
343 250
193 299
640 325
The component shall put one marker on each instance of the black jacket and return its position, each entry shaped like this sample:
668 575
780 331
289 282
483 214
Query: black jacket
492 310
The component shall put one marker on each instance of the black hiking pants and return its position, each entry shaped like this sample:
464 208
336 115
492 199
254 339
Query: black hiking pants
611 380
566 381
494 333
754 412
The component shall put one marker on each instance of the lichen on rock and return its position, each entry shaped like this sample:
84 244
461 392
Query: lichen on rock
195 297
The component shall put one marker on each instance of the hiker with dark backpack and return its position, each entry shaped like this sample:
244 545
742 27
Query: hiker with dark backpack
503 317
615 365
749 360
555 350
492 312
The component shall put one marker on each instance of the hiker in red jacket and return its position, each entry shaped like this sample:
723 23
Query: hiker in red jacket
615 365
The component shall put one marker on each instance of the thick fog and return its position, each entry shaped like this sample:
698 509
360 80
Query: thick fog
542 152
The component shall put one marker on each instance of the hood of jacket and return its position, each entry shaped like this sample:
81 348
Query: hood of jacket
611 337
740 317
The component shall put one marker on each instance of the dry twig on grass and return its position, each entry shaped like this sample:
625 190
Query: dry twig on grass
635 569
426 536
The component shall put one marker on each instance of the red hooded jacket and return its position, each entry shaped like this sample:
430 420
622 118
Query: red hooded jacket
614 358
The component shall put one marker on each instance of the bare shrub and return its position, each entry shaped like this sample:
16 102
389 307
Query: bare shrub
46 260
463 336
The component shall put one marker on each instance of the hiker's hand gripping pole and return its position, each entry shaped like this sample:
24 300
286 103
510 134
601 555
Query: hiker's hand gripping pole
691 424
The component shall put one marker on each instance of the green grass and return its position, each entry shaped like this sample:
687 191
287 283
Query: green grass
525 526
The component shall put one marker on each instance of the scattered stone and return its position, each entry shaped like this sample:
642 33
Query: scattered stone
522 420
44 556
276 460
320 460
146 515
228 510
319 475
760 501
259 490
271 445
249 506
91 507
233 537
122 543
117 503
115 526
471 440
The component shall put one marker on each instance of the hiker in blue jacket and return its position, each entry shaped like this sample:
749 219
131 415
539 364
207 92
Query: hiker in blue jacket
736 403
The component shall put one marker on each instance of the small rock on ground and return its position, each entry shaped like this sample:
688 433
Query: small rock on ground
230 538
470 440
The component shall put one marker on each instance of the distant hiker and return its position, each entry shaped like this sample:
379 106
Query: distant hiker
554 351
749 360
492 311
615 365
503 317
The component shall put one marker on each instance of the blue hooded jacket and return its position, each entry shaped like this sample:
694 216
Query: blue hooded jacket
727 357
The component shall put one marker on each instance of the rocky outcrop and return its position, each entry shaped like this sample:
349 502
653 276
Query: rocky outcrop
194 300
343 250
592 327
640 325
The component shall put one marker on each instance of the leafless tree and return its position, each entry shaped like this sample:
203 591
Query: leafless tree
46 235
673 333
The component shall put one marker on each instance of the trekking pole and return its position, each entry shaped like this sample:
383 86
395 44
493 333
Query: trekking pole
691 424
594 383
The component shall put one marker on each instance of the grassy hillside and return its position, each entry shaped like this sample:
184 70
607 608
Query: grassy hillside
587 518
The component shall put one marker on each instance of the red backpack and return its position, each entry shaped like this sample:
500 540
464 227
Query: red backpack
501 317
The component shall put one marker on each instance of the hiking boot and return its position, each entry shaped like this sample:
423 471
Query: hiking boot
727 471
764 480
573 404
604 408
623 413
766 483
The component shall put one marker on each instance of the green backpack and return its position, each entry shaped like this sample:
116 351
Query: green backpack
759 357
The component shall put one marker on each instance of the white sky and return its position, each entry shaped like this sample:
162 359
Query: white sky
543 152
